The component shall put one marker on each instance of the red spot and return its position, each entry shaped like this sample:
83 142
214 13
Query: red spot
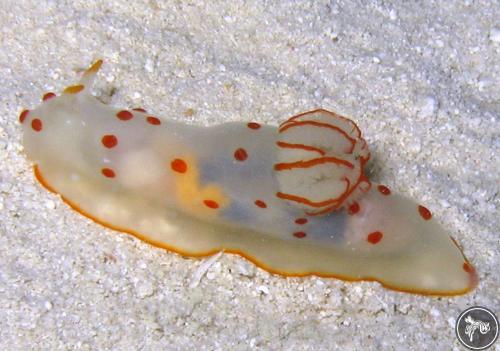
108 172
301 221
299 235
468 268
211 204
375 237
23 115
153 120
48 96
36 124
424 212
109 141
384 190
260 203
124 115
240 154
179 165
139 109
353 209
253 125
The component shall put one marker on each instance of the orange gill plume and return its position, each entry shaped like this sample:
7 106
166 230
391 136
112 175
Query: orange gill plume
321 156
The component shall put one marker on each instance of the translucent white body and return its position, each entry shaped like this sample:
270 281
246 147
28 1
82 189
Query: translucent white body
197 190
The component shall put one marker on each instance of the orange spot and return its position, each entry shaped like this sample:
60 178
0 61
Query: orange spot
468 268
353 209
179 165
36 124
23 116
301 221
240 154
124 115
109 141
375 237
48 96
153 120
384 190
253 125
139 109
424 212
108 172
74 89
211 204
260 203
299 235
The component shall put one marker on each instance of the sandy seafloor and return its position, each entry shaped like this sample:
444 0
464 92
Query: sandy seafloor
421 79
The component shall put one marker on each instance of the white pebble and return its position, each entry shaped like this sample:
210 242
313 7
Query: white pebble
427 107
144 289
50 204
263 289
435 313
495 35
415 146
148 66
318 94
320 282
229 19
5 187
245 268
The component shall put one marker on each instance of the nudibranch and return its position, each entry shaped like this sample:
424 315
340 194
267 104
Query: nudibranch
293 199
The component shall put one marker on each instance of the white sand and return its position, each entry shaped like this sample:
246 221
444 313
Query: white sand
422 82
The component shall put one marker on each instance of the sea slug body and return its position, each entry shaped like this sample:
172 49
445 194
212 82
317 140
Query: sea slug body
293 199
